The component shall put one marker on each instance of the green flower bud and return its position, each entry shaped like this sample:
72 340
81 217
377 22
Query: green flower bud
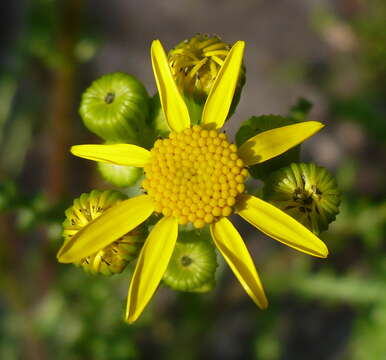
113 258
193 263
307 192
118 175
195 64
157 118
116 108
158 121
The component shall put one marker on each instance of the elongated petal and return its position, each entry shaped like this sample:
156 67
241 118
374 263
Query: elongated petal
173 105
271 143
105 229
118 154
279 226
232 247
151 266
221 94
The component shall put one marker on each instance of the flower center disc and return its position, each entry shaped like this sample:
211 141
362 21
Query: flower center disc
195 176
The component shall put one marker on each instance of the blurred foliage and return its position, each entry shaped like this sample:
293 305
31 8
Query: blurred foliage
328 309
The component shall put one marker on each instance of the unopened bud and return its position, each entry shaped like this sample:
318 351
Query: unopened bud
113 258
306 192
193 263
196 62
116 108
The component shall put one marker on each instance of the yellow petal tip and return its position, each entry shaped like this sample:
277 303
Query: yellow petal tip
318 125
324 254
261 301
264 306
62 258
240 43
73 149
321 251
154 43
130 319
65 257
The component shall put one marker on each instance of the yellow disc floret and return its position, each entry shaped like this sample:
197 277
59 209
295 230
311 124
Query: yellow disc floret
195 176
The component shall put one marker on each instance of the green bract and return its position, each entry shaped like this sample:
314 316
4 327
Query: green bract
116 108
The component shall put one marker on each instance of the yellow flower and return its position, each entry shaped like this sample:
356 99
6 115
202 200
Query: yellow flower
195 175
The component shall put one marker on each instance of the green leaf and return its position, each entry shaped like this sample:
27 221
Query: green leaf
299 112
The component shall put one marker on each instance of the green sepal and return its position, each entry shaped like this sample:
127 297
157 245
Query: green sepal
116 108
258 124
193 263
305 191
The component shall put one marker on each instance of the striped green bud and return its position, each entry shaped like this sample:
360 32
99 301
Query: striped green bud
305 191
116 107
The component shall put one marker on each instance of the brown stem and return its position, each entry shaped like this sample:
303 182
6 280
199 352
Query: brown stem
63 102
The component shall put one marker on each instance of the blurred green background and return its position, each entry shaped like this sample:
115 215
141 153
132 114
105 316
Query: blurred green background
331 52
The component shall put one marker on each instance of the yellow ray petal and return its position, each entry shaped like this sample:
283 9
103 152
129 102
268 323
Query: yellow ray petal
271 143
221 94
151 266
173 105
279 226
108 227
232 247
118 154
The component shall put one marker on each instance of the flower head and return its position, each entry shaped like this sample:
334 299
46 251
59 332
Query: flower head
211 172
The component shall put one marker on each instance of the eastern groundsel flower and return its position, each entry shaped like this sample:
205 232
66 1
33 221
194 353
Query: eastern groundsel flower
194 176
